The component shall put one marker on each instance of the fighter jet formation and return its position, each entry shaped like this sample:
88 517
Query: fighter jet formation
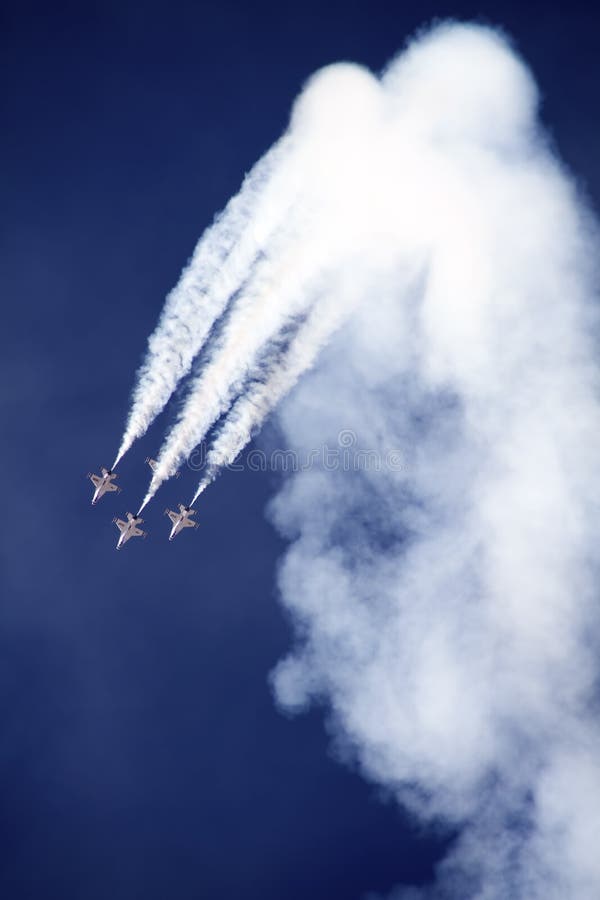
129 527
258 299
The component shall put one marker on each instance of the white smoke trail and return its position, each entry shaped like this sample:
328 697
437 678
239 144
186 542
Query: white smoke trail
255 404
273 296
335 140
218 267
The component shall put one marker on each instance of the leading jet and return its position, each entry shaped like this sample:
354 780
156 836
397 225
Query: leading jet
103 483
181 519
129 529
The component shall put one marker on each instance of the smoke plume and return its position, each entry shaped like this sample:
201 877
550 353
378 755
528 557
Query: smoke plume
426 282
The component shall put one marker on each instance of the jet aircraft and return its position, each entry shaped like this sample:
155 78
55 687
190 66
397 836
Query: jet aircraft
181 519
103 483
153 464
129 529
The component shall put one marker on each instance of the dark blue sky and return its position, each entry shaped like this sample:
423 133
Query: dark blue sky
140 751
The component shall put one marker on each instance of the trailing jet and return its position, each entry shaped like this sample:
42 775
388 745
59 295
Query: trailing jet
181 519
103 483
153 464
129 529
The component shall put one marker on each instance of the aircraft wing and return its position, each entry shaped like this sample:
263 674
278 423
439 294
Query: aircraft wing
174 517
137 532
110 486
188 523
96 480
121 525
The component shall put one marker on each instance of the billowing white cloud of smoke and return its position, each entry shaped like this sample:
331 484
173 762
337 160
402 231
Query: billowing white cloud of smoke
447 610
217 269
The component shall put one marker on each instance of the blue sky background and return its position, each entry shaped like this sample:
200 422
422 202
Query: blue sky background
140 751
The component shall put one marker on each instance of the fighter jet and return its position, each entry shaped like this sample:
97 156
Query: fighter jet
153 464
181 519
129 529
103 483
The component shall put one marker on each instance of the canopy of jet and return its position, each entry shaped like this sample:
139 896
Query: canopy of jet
104 483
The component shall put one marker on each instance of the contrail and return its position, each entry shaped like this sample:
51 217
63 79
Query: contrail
335 143
219 265
256 403
275 295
